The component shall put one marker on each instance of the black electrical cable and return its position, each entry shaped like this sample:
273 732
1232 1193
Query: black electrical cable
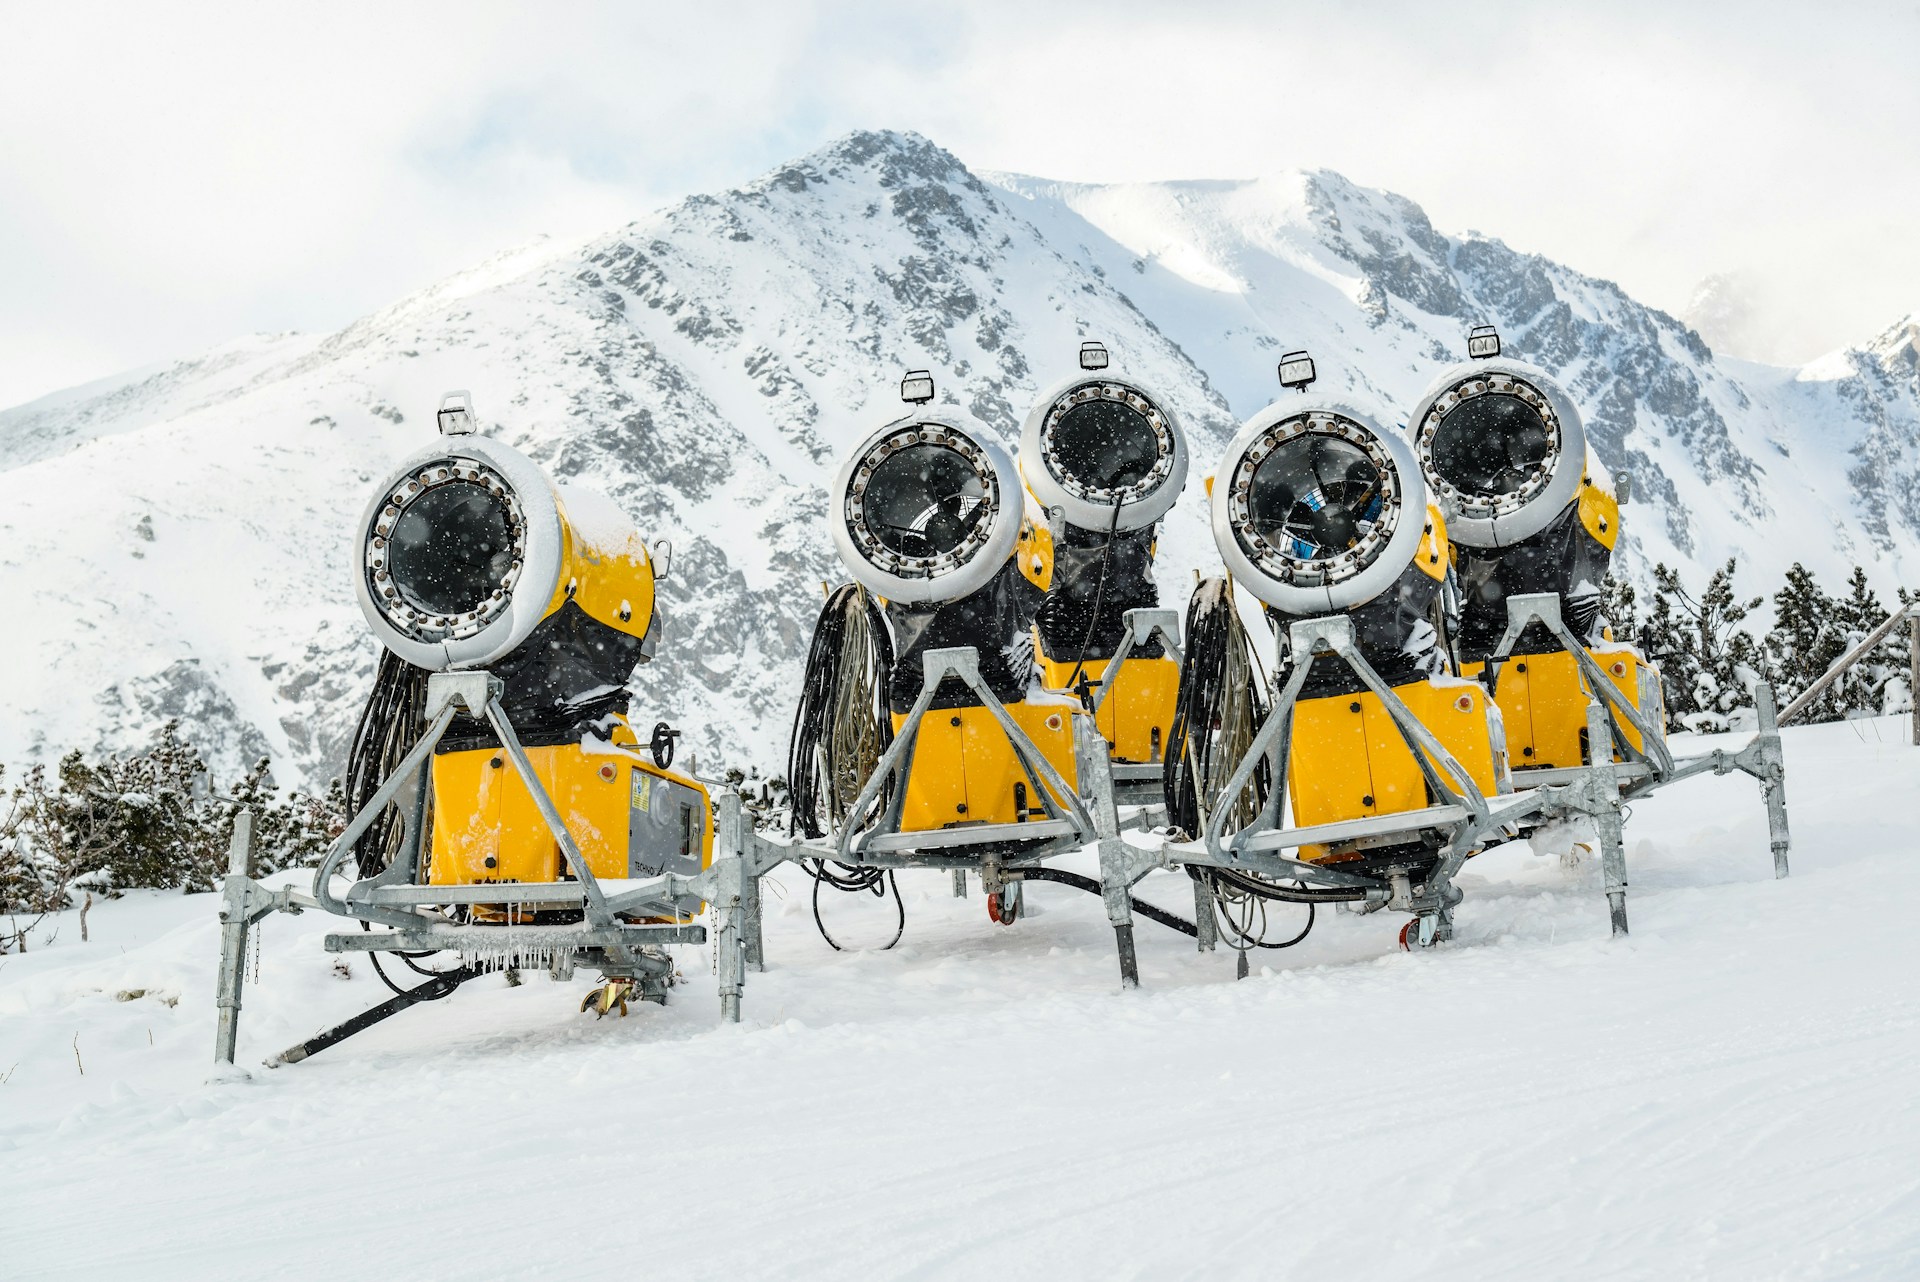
1260 888
1093 619
1172 920
1092 887
412 965
876 881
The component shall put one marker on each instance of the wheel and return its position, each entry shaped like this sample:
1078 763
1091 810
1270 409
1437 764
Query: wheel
1408 935
662 743
1004 906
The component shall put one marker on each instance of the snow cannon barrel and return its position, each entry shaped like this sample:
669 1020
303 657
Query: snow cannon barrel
1103 452
1502 447
1105 459
469 556
927 509
1318 510
927 513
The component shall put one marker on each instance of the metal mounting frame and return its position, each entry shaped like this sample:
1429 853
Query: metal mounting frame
1072 819
393 898
1598 789
1137 783
1464 818
885 845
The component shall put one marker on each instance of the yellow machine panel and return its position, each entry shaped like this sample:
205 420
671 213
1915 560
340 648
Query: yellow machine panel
1034 552
610 579
964 770
1140 703
629 817
1349 760
1544 699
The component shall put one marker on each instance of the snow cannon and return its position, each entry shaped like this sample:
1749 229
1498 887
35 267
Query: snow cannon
1104 460
921 738
1322 514
1530 514
504 815
469 557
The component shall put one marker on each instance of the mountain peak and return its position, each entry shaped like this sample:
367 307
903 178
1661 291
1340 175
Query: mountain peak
894 158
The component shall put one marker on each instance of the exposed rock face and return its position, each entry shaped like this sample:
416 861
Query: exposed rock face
707 366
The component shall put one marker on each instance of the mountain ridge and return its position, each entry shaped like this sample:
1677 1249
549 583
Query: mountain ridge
706 365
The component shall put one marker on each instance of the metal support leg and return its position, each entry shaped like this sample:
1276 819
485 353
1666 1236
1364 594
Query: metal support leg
1773 777
1096 778
233 936
729 909
959 883
1206 927
1604 798
1113 890
753 946
1913 672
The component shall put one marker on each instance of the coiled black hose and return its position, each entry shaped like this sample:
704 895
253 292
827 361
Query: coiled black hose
389 726
1219 706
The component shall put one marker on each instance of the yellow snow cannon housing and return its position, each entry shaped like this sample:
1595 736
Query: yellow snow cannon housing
1502 444
471 558
1318 511
928 517
1103 460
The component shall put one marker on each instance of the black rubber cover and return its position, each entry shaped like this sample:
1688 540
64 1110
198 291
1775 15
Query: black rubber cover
996 621
1563 559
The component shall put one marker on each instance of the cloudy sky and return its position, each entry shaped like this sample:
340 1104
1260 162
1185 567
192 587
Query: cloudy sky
172 176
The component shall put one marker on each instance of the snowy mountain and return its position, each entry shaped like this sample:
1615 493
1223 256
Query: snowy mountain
177 537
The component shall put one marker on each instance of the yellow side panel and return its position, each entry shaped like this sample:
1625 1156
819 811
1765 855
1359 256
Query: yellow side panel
1545 701
1034 553
1137 712
965 771
613 584
936 779
1599 513
1350 761
1435 554
483 811
1329 773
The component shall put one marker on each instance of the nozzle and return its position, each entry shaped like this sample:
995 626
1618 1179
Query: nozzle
928 508
1502 446
1316 507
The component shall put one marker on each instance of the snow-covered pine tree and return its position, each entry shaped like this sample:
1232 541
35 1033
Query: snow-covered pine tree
1807 636
1865 689
1708 661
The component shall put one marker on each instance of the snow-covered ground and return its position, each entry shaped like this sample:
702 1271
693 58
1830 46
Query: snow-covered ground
1728 1093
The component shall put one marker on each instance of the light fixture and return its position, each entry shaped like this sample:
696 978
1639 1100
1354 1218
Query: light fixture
1296 371
917 387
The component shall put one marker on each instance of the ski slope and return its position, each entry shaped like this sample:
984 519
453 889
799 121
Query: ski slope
1727 1093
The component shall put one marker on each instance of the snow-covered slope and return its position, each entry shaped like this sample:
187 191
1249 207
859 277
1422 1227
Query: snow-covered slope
1727 1093
176 539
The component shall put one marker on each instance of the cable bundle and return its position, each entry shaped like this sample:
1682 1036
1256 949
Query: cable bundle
1218 711
840 731
389 726
842 726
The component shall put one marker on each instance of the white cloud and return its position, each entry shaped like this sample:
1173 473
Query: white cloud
171 177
